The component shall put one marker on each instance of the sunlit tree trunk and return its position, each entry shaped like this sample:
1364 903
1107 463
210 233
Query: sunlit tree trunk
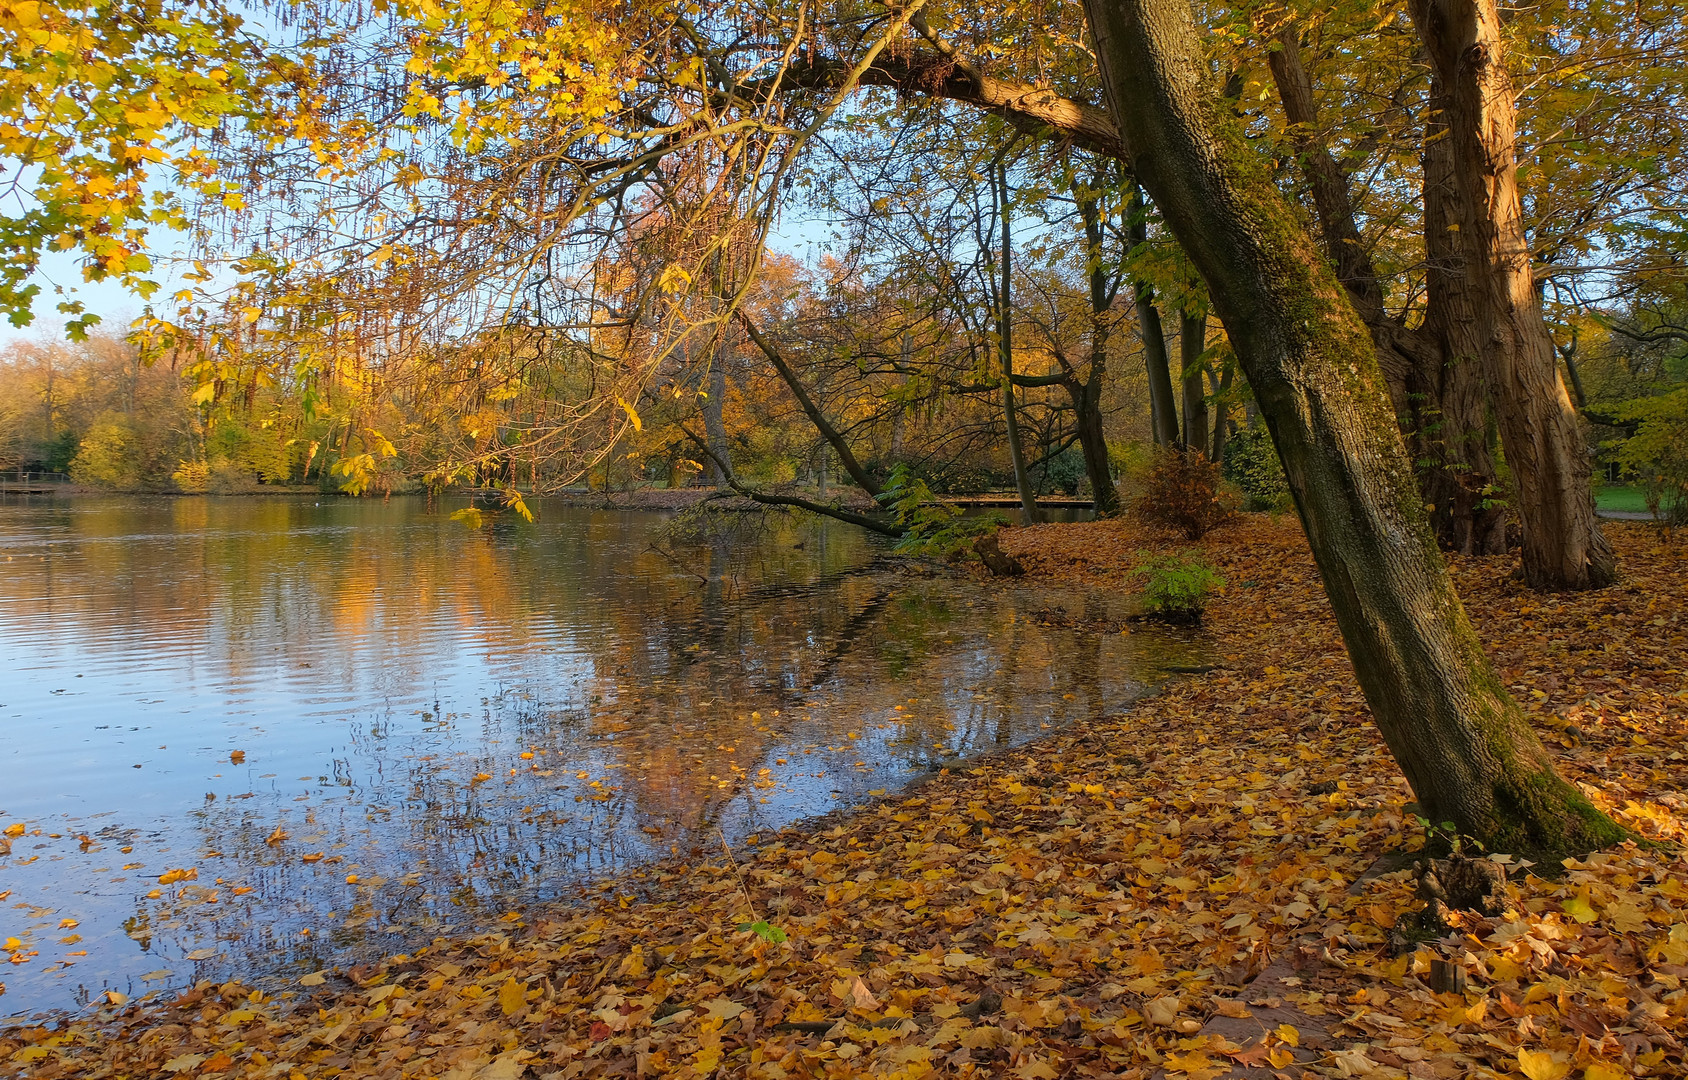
1545 447
1464 745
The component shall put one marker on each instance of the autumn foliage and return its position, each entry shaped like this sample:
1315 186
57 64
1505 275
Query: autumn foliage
1185 492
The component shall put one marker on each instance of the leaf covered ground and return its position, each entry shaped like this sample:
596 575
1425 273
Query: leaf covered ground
1084 906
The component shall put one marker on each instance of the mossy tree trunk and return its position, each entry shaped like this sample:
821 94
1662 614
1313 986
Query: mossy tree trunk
1465 746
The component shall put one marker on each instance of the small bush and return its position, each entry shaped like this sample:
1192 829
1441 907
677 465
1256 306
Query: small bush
1176 587
193 477
930 526
1182 491
1657 455
1251 463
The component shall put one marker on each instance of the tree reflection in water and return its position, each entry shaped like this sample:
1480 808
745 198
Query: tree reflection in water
434 725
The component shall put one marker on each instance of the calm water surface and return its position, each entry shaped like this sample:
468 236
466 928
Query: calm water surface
271 734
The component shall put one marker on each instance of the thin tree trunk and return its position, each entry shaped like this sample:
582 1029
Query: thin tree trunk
810 409
714 418
1222 426
1545 447
1465 746
1005 355
1192 342
1087 396
1163 410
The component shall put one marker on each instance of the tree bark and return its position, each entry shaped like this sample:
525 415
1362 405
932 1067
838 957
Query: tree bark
714 417
1222 426
1545 447
1087 396
1005 352
1163 410
833 437
1440 401
1192 342
1464 745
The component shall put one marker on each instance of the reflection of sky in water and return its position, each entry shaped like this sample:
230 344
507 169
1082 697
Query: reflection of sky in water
458 719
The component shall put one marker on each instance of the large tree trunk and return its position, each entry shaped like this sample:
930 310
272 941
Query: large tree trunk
1465 746
1545 448
1449 409
1192 342
1436 386
1163 409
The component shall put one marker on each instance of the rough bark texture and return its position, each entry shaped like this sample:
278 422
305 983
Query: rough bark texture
1545 448
1464 745
1440 401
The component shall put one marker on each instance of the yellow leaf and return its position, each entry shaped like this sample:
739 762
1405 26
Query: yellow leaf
1289 1034
1578 908
204 394
1542 1065
251 314
15 829
638 425
511 997
1597 1071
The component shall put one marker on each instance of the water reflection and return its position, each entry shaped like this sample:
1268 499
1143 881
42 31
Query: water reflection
272 733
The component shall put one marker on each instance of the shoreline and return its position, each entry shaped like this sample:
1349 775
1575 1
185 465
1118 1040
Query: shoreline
1079 904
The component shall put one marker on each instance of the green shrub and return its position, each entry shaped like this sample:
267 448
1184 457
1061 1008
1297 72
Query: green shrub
1657 454
1176 587
1251 463
931 526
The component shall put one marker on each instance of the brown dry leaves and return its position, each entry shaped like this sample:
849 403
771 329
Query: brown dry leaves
1078 907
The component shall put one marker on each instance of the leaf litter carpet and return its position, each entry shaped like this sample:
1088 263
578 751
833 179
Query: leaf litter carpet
1101 903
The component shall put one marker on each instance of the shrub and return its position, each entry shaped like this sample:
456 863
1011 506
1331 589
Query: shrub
1177 586
932 527
1657 455
193 477
1251 463
1182 491
107 457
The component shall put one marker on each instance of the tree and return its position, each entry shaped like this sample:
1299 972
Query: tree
1465 746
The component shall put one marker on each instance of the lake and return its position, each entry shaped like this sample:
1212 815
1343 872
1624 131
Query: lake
274 734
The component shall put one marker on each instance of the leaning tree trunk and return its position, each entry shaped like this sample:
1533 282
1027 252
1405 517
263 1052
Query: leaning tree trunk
1192 342
1465 746
1545 448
